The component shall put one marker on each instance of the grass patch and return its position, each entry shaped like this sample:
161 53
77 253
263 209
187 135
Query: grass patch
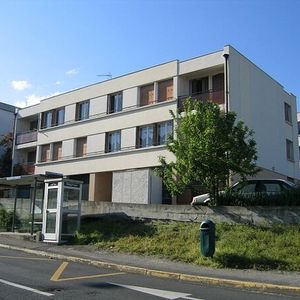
237 246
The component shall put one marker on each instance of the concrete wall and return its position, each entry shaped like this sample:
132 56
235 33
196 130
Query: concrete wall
259 100
256 215
131 186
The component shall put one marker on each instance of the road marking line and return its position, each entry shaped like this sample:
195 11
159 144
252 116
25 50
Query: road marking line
26 288
62 267
59 271
23 257
89 276
170 295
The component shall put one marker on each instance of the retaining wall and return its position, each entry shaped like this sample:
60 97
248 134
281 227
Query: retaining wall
256 215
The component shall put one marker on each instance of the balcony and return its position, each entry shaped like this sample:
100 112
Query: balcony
29 168
26 137
215 96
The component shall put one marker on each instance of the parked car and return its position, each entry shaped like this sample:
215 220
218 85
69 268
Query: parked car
250 188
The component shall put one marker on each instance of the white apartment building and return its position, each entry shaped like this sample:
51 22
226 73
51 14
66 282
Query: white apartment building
110 134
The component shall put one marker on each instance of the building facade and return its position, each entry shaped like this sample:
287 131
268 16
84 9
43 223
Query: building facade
7 116
110 134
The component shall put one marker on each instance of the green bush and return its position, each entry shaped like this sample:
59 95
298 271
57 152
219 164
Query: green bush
289 198
6 219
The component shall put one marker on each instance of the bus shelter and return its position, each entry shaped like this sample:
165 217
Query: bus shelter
28 201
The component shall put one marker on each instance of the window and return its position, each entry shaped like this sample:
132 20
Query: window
113 141
165 90
146 136
81 147
47 119
164 130
154 134
59 117
82 110
57 151
33 125
115 103
147 94
298 128
199 86
45 153
53 117
289 150
31 156
287 113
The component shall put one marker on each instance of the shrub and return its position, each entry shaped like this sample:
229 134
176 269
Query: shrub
289 198
6 219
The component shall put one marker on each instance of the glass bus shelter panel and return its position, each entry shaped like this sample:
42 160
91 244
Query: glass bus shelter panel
52 199
70 198
69 223
51 222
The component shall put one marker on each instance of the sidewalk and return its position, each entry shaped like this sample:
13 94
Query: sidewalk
271 280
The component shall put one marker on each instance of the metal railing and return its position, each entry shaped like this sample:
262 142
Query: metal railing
26 137
215 96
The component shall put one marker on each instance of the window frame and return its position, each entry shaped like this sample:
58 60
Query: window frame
50 118
58 156
48 156
83 151
147 127
290 150
81 114
164 85
117 103
108 140
167 133
288 113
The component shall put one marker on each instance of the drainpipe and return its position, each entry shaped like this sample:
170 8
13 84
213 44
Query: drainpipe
14 142
226 56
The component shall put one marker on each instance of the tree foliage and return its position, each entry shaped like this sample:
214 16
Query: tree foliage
5 158
208 145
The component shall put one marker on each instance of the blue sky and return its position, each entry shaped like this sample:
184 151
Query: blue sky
52 46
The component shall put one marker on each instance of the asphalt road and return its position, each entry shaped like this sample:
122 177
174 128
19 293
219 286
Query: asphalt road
24 276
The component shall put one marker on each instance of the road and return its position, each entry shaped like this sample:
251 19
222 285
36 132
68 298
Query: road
24 276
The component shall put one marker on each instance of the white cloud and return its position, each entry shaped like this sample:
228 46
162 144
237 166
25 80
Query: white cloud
20 85
33 99
72 72
58 82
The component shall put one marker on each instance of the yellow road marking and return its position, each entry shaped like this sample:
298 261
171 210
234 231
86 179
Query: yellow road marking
58 272
21 257
62 267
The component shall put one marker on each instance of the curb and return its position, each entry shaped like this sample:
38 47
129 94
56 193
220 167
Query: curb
164 274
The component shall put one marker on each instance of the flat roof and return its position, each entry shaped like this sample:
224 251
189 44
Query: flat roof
25 179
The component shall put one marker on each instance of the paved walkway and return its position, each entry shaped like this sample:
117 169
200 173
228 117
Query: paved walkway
270 280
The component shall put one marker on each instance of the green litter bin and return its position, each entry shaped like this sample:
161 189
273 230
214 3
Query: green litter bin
207 238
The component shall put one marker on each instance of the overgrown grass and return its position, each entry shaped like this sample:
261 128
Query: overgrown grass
237 246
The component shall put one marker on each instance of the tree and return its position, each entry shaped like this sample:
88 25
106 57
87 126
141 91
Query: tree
208 145
5 158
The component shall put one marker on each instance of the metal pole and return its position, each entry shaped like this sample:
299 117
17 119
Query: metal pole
226 56
15 211
33 206
14 142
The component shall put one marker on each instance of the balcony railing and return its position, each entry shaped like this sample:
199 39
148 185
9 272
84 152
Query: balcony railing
215 96
26 137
